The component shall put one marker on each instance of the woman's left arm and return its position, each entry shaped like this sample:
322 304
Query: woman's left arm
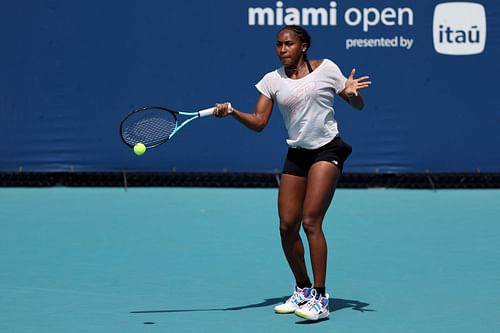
350 93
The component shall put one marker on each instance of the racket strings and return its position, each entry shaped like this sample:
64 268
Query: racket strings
149 129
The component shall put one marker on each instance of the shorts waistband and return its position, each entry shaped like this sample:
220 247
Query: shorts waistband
301 148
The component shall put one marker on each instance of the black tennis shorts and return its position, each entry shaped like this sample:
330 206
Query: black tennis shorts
299 160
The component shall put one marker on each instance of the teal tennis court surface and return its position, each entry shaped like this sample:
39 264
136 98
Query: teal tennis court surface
209 260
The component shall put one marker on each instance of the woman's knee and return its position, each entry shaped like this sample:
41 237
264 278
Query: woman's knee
289 228
312 225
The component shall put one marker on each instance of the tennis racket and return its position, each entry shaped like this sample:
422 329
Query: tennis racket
155 125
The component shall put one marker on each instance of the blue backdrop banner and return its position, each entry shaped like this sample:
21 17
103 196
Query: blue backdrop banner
72 69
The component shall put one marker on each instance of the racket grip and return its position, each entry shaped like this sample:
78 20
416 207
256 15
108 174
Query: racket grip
210 111
206 112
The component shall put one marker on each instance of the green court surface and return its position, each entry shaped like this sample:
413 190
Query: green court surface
209 260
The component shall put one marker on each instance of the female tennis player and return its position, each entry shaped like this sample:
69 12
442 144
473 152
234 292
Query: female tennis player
304 91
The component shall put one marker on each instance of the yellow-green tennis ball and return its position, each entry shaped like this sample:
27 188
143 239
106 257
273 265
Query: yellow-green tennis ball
139 149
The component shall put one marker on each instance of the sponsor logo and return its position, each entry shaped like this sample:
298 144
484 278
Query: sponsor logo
459 28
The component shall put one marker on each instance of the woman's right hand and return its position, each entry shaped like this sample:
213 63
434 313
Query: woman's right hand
223 109
255 121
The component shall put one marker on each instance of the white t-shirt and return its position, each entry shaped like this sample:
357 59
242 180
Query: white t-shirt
306 103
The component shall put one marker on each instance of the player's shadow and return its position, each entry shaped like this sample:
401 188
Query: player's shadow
336 304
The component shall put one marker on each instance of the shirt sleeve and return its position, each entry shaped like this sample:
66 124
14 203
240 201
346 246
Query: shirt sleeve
338 78
264 86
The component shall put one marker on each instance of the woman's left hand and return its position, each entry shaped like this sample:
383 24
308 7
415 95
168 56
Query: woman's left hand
352 85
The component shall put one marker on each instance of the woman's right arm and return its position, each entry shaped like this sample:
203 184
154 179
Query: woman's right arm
255 121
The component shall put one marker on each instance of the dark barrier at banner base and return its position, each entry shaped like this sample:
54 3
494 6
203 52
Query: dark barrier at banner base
125 179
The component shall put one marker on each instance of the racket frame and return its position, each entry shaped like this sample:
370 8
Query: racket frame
193 115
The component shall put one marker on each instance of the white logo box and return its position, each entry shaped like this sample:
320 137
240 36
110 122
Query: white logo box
459 28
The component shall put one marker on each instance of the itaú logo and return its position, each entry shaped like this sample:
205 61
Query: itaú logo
459 28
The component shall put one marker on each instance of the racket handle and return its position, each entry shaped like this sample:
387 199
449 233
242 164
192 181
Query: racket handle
210 111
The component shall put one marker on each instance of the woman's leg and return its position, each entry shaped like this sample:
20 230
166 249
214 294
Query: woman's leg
321 182
291 197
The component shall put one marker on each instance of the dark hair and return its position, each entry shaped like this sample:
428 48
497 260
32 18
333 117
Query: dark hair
301 33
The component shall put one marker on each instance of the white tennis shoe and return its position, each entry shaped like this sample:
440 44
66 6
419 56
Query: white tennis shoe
298 298
315 308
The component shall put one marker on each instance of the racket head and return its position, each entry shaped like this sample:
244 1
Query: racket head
150 125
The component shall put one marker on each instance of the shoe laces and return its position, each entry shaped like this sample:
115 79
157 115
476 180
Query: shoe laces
298 296
315 298
295 298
